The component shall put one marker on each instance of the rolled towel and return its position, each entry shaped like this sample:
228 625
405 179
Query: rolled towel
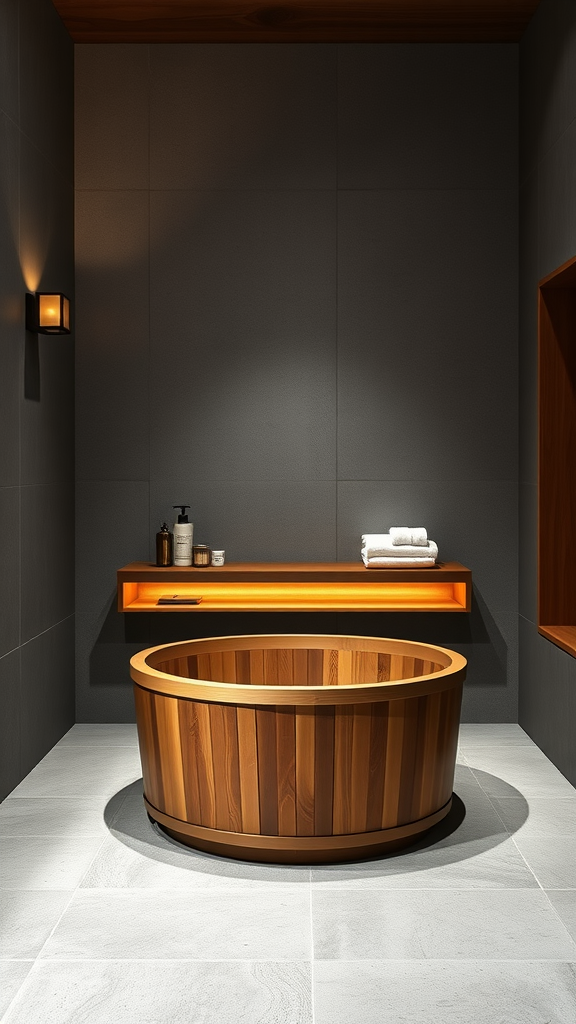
379 545
395 563
414 535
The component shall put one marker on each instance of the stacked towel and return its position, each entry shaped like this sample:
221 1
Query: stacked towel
380 550
414 535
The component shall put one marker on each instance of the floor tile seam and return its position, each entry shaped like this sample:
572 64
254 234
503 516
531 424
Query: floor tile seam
497 812
527 864
431 888
52 835
208 890
557 915
72 893
525 794
447 960
93 746
312 956
170 960
294 960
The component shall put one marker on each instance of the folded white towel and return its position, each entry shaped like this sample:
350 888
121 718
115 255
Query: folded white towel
380 545
395 563
414 535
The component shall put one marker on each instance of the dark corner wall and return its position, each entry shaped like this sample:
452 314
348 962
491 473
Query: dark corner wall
36 389
296 311
547 705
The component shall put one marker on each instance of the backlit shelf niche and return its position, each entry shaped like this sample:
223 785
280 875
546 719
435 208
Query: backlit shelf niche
260 586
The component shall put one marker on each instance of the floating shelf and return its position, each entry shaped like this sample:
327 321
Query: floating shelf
295 586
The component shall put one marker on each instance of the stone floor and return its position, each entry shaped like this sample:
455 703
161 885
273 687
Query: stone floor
105 920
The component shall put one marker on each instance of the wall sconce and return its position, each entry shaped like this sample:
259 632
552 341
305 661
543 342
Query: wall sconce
48 313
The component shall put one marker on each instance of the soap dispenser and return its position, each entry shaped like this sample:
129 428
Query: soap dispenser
183 537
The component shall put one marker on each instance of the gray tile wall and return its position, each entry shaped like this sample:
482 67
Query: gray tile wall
547 703
297 301
36 388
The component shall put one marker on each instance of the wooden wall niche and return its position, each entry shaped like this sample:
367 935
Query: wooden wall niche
557 457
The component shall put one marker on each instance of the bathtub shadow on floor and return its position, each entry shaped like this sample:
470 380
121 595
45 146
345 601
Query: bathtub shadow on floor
472 831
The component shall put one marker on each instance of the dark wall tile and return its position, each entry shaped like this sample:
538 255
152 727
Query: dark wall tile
47 691
528 331
243 336
47 556
253 520
36 383
47 415
413 116
427 335
557 204
9 569
243 332
111 115
112 331
247 116
547 80
11 304
115 517
528 551
547 708
103 684
474 522
47 83
9 58
10 774
112 520
46 223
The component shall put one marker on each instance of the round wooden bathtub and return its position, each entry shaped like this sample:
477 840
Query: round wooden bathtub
297 749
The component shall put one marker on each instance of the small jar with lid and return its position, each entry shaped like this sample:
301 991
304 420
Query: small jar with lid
218 557
201 555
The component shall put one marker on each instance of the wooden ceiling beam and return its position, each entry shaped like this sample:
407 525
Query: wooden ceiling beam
295 21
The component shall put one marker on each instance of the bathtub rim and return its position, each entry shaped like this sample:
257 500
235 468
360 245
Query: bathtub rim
148 677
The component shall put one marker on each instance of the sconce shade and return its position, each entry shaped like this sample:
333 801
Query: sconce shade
48 313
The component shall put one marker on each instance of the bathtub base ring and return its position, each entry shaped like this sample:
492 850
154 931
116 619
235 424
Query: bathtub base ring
295 849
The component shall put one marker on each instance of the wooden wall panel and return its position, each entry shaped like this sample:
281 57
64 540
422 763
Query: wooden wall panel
557 456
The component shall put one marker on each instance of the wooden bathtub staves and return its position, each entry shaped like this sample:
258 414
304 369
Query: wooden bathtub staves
297 749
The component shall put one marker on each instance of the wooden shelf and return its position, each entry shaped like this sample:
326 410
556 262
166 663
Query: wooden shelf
557 457
296 586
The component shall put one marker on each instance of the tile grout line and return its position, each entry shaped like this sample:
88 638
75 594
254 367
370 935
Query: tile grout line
312 1001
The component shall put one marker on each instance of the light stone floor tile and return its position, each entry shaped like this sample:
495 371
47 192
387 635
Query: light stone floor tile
12 975
152 860
444 992
82 771
45 862
163 925
475 864
113 735
492 735
26 920
428 924
453 896
541 816
553 860
161 992
526 769
57 816
564 903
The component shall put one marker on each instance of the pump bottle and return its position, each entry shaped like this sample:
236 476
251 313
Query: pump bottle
183 531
